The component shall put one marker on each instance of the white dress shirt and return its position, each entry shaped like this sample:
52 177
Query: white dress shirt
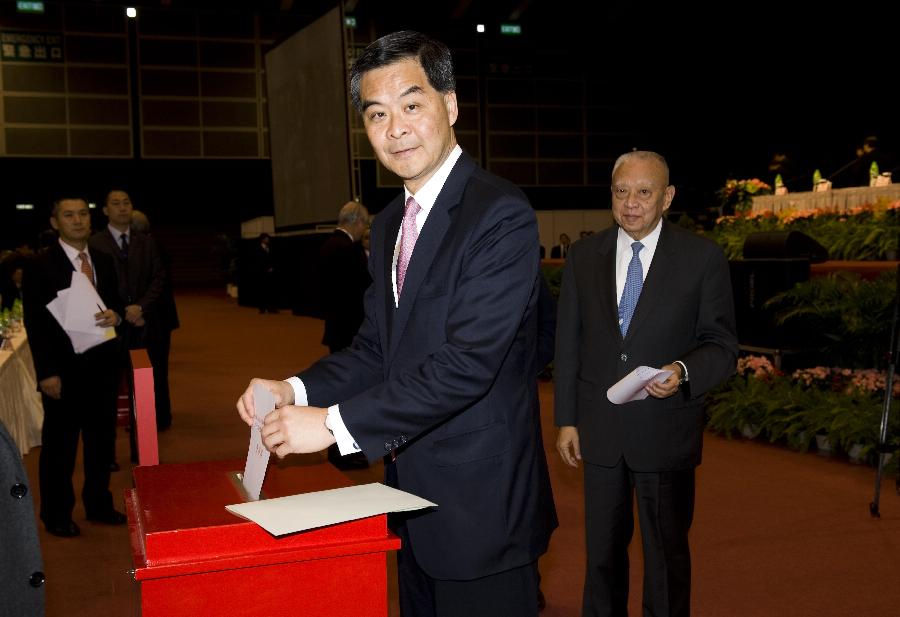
117 235
623 258
72 254
425 197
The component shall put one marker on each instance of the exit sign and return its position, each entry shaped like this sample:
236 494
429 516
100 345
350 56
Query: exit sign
29 7
511 29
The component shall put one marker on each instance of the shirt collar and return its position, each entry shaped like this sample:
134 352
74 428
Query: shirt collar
624 241
72 252
117 235
349 235
428 194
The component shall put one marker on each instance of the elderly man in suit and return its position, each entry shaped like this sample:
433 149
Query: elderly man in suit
440 377
22 589
344 277
78 390
142 286
644 292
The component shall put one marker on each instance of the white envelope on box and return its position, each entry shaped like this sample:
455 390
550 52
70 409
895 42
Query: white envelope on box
285 515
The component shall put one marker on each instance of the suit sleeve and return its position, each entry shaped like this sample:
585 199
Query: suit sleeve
39 323
498 270
568 338
714 359
546 324
150 300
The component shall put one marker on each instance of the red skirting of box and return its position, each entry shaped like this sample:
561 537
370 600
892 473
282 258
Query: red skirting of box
192 557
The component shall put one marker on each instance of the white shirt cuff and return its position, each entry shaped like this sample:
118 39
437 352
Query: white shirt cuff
334 423
683 369
300 398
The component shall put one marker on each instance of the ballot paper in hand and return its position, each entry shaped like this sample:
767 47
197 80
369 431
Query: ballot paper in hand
631 387
257 455
74 308
285 515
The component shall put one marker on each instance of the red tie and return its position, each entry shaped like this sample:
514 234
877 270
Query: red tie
86 268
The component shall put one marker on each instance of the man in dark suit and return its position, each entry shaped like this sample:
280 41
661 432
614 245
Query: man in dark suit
644 292
440 378
344 277
78 390
561 250
142 284
22 590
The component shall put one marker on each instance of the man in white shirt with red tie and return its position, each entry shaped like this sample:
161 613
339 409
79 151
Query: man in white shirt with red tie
78 390
438 380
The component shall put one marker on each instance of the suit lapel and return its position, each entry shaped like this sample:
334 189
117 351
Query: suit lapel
654 285
392 228
429 241
606 279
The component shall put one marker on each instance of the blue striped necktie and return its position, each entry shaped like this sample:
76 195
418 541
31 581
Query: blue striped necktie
633 283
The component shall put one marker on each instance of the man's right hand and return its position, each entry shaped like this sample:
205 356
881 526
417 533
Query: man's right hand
51 386
281 390
568 445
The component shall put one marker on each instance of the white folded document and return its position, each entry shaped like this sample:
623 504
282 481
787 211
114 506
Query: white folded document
284 515
74 308
631 387
257 455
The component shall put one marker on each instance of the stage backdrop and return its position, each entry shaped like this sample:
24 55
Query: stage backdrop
308 124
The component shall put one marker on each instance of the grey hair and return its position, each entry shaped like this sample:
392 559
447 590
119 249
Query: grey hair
351 212
643 155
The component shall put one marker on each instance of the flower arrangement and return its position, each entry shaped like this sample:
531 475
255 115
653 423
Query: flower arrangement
840 403
867 232
737 195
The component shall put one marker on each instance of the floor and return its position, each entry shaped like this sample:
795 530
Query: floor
775 532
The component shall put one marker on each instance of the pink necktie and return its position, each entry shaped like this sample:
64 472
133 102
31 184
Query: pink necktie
407 241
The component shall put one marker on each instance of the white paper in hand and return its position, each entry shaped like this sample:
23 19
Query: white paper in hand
257 455
631 387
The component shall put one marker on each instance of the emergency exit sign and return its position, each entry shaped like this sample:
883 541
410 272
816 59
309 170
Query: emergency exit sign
29 7
511 29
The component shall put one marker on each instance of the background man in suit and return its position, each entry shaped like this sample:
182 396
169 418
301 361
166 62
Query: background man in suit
561 250
683 322
22 589
142 287
78 390
344 277
441 375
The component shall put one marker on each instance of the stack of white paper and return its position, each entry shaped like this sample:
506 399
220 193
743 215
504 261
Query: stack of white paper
74 308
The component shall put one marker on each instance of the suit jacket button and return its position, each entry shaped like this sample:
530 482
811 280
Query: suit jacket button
624 357
388 446
36 579
18 490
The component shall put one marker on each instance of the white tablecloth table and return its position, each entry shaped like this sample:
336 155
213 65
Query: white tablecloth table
20 403
835 200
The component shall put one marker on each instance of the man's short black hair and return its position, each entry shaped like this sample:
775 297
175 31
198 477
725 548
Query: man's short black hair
433 55
54 208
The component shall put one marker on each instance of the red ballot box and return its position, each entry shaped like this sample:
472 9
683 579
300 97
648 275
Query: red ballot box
192 557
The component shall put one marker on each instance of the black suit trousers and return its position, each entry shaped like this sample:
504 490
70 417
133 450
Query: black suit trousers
87 406
665 504
511 592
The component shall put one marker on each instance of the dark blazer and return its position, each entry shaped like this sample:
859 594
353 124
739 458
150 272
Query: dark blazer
343 280
685 312
447 379
556 251
47 274
22 589
142 277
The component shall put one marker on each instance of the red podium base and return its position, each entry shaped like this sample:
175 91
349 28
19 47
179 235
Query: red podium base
192 557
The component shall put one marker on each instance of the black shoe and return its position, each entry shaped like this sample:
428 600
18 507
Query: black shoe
111 517
64 529
542 602
114 466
